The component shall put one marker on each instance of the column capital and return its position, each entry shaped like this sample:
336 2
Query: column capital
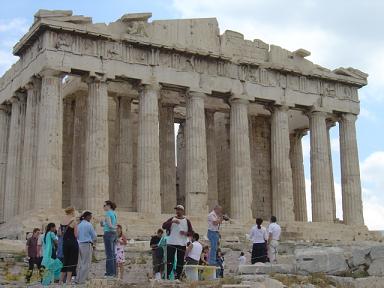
348 117
299 133
195 94
50 73
274 107
330 123
94 78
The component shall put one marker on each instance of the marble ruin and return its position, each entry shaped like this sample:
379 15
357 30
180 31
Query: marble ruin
88 113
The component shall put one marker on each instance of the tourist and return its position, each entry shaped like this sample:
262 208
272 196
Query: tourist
204 256
220 263
214 221
157 254
86 236
242 259
33 254
193 251
274 231
52 265
68 233
178 228
259 237
120 253
109 237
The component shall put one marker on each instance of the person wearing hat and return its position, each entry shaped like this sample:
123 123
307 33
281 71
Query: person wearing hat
178 228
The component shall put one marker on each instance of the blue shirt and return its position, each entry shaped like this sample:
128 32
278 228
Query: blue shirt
86 232
112 216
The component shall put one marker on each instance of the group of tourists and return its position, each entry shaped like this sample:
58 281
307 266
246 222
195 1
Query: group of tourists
180 245
63 253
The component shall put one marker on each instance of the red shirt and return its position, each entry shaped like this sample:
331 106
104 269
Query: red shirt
32 247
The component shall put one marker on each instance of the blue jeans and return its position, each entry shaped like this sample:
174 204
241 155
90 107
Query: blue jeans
213 237
109 245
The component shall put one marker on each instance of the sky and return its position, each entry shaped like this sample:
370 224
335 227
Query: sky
343 33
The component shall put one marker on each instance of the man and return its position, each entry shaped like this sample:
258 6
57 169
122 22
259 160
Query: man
33 254
86 236
274 231
193 251
178 228
214 220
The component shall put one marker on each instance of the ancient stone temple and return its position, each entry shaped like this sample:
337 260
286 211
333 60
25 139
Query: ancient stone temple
89 110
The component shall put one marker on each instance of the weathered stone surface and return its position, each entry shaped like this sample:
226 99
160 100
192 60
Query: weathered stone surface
329 260
267 268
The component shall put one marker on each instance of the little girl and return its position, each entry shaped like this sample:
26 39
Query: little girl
120 254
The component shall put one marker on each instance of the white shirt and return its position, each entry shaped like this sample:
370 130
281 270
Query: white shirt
213 217
275 230
196 250
175 238
258 235
242 260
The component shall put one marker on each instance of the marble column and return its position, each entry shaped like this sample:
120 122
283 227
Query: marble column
196 155
4 136
50 143
148 161
167 158
28 173
213 195
78 152
240 159
322 207
298 177
350 171
68 131
96 185
282 186
331 124
15 148
180 171
124 158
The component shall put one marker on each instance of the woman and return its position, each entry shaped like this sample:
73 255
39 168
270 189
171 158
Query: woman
68 232
109 226
120 254
51 264
258 236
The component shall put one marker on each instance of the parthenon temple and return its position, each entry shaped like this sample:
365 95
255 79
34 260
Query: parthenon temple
88 113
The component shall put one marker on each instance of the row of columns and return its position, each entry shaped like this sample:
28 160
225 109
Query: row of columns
32 141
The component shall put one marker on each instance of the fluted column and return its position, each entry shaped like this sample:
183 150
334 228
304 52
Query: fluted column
148 162
15 148
181 164
96 189
28 174
196 155
240 157
4 136
78 152
331 124
167 158
322 206
50 143
282 187
124 151
350 172
298 177
213 196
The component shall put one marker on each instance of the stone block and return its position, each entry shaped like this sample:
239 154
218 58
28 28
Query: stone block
376 268
261 268
329 260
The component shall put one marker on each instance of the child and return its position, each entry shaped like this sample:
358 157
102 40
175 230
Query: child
220 263
157 254
204 256
193 252
242 259
120 254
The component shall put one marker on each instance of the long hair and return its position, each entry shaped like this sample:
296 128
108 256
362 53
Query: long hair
121 230
49 227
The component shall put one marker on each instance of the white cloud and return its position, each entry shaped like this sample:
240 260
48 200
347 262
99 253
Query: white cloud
16 25
372 171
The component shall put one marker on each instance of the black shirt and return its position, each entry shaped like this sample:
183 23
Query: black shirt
154 241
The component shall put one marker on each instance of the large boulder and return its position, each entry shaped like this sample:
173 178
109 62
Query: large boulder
267 268
329 260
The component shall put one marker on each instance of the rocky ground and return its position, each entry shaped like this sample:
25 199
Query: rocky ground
301 264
